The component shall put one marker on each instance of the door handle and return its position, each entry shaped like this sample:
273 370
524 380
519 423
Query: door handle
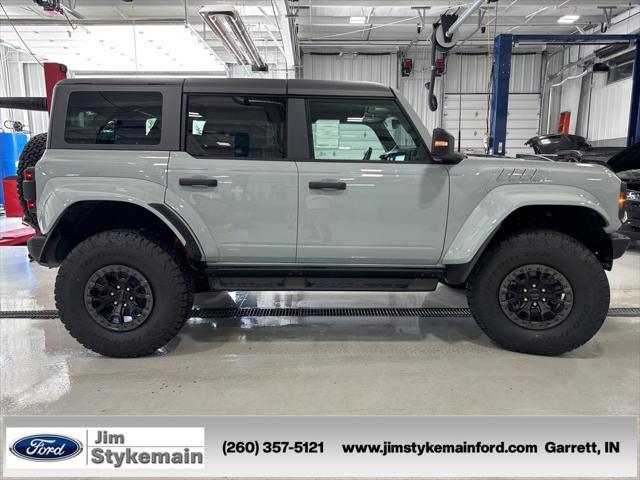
327 185
198 182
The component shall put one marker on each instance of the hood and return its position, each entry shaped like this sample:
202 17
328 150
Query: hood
627 159
626 164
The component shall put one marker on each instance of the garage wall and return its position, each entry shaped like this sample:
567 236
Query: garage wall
414 90
21 76
372 68
469 73
381 68
609 112
599 111
466 75
465 117
466 102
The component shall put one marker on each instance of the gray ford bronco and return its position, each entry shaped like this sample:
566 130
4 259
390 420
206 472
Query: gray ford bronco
145 193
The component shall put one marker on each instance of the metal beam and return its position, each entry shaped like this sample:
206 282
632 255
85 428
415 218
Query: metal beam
577 39
286 24
502 48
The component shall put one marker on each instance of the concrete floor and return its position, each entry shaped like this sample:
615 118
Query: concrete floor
313 365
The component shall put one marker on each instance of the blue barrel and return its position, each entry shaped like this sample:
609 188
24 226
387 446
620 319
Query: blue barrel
11 145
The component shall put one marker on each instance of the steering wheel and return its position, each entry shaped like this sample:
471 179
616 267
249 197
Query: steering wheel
367 155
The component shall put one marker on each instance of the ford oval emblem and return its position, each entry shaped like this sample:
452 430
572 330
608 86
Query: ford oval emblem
46 448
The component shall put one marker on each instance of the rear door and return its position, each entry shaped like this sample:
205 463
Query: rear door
232 183
369 193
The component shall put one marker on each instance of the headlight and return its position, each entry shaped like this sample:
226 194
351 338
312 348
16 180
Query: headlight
633 196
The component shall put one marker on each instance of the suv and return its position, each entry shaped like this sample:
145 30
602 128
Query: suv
148 192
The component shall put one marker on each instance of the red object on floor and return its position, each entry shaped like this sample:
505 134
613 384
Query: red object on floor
16 237
12 205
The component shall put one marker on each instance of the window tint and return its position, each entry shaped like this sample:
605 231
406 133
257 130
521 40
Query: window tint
236 127
114 118
362 129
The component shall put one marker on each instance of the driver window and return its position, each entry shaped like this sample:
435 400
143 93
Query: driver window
362 129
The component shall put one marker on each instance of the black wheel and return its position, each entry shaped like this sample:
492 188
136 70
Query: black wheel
122 294
32 153
539 292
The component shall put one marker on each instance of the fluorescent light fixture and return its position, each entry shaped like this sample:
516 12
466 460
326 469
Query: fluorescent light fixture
568 18
227 25
355 119
357 19
118 48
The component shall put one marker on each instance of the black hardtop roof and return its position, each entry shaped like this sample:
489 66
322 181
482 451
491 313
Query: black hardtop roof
263 86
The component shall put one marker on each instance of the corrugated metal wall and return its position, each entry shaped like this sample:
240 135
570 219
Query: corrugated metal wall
414 90
465 117
21 76
470 73
466 74
609 112
378 68
371 68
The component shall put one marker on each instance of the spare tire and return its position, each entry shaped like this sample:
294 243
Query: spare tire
32 153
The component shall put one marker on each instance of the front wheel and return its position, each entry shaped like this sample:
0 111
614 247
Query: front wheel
122 294
540 292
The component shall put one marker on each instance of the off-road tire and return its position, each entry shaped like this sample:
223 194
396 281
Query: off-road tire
168 277
31 154
559 251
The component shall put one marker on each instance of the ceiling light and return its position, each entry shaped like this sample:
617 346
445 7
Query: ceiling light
568 18
111 40
357 19
226 23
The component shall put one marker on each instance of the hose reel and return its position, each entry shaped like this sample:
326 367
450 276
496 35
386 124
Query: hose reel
441 41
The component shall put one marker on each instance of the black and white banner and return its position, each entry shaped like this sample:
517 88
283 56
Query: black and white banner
248 446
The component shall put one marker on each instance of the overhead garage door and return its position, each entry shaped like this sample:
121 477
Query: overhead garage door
465 117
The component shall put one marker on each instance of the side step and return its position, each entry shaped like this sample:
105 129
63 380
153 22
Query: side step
324 279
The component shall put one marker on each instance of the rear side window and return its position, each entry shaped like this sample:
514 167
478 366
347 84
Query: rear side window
114 118
236 127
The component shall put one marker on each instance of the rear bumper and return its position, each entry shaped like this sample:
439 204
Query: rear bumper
619 244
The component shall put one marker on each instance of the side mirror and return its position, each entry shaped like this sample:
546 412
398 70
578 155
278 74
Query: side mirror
443 147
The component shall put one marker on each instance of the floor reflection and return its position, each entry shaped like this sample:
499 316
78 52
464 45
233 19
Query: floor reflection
326 328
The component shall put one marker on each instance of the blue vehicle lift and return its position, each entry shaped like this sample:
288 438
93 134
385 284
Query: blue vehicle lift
502 48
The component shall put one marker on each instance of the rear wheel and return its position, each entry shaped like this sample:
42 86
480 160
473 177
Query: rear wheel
539 292
122 294
31 154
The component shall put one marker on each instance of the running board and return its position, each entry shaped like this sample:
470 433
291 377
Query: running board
324 279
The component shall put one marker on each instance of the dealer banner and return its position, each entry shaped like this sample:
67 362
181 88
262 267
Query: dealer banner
291 446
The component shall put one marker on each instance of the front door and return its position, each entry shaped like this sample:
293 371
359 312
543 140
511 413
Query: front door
369 195
233 184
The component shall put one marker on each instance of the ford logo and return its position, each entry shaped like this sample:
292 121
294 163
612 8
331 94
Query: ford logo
46 448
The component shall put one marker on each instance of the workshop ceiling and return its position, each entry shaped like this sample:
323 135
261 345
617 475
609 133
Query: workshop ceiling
321 25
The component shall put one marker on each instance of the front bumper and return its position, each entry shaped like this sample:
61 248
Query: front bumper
619 244
631 227
630 231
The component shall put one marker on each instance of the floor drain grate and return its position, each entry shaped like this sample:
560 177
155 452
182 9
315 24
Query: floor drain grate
313 312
